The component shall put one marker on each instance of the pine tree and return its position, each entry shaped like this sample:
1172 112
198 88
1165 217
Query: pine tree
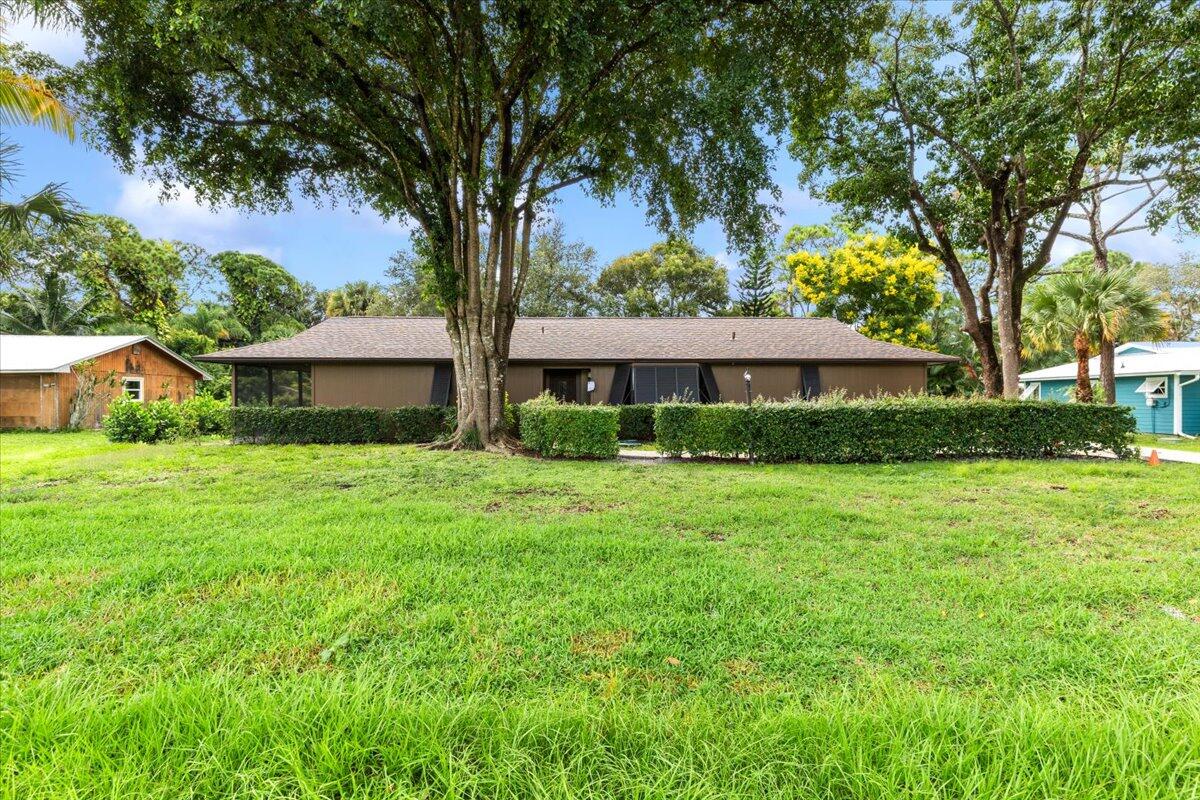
756 288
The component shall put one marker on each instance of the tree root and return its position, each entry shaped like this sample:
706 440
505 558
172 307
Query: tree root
503 444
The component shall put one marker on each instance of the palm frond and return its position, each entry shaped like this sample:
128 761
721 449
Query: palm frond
51 204
25 100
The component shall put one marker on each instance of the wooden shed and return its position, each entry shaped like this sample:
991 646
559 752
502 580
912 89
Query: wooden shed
44 378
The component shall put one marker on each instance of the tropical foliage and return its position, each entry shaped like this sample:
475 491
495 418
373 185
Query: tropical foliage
1082 308
671 279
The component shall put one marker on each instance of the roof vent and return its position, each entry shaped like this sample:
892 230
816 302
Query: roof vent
543 329
733 336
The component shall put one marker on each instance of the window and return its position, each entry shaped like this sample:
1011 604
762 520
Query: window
1153 388
273 386
1031 391
658 384
132 388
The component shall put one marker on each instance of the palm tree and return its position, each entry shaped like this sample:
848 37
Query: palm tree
355 299
1087 308
53 307
214 321
25 100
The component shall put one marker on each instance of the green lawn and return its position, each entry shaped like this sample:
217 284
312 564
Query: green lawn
1168 442
209 621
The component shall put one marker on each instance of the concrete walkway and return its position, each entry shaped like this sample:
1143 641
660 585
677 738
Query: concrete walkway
1185 456
1182 456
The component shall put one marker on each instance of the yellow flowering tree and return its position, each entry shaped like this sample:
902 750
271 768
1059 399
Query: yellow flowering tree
883 287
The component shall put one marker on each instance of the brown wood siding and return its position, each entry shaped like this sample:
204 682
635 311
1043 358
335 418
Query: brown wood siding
769 381
603 376
23 401
524 382
161 374
372 385
868 380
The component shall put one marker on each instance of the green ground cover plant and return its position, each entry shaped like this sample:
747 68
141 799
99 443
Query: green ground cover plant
916 428
201 619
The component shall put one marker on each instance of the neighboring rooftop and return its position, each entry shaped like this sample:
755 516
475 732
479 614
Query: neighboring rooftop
1133 358
57 353
588 339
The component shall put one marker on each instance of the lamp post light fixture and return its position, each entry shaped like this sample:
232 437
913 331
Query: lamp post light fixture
746 378
591 387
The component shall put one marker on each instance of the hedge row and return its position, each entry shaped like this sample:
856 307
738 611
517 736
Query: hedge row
130 420
637 422
893 429
555 429
343 425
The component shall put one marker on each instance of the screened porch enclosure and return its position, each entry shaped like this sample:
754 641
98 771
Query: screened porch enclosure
283 386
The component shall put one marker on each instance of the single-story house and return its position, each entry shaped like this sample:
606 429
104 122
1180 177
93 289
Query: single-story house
39 376
395 361
1160 381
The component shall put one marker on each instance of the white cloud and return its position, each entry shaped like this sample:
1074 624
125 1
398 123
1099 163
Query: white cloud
64 45
179 215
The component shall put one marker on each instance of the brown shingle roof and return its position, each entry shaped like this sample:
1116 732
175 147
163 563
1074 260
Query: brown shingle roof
588 339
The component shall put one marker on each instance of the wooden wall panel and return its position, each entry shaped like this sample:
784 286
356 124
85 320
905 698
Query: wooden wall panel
524 382
22 402
769 381
371 385
868 380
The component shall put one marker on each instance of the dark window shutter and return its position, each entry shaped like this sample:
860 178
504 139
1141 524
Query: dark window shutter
645 385
810 379
616 395
439 395
708 385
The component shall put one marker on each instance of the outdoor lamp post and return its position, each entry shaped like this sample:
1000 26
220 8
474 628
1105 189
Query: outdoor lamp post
591 387
750 439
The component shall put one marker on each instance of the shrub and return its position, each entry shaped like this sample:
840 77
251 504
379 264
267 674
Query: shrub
342 425
169 421
206 414
893 429
412 424
555 429
637 422
128 421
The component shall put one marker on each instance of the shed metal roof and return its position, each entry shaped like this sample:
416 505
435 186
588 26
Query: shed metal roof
39 354
588 339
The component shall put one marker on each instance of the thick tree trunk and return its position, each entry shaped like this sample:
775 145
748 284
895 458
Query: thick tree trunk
1108 356
1009 310
1083 378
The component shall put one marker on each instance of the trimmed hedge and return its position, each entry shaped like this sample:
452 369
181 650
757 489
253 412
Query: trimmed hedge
342 425
637 422
893 429
555 429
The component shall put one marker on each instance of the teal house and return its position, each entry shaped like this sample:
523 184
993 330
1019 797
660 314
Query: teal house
1160 381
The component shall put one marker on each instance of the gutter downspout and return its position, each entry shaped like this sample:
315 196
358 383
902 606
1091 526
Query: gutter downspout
1179 384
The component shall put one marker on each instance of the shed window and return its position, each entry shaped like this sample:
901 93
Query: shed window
657 384
274 386
1153 387
132 388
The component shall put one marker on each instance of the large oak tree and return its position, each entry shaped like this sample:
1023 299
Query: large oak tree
465 117
975 131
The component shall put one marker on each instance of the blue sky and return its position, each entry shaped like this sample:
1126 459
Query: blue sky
332 245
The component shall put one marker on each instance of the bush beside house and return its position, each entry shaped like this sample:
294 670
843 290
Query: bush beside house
343 425
555 429
133 421
892 429
637 422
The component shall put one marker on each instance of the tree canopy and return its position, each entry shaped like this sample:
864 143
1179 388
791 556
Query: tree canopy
671 279
466 118
975 130
882 286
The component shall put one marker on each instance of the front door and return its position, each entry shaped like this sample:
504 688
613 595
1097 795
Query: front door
563 384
